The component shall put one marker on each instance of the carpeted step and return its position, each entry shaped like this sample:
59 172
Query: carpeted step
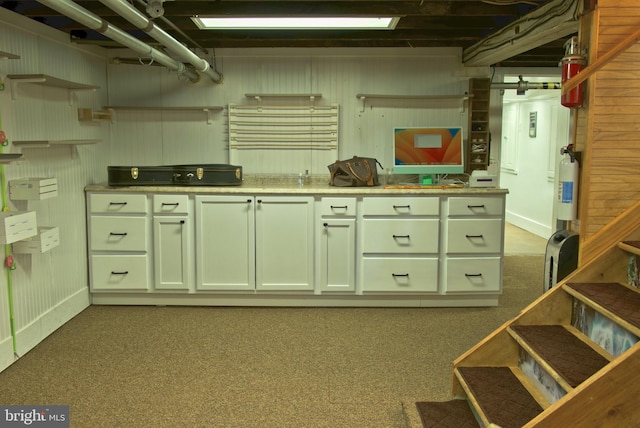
500 395
446 414
617 301
565 353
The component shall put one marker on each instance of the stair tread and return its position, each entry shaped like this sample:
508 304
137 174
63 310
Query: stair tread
569 356
446 414
618 299
500 395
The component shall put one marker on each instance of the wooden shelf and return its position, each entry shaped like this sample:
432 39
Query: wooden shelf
49 143
45 80
461 98
151 108
259 96
7 55
9 157
207 109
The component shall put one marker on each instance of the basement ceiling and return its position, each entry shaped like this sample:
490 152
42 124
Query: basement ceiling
423 23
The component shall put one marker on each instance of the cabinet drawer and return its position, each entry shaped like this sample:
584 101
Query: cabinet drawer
338 206
117 203
473 275
400 274
401 206
118 233
119 272
474 236
476 206
400 236
170 204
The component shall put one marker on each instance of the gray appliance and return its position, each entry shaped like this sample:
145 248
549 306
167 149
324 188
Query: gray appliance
561 257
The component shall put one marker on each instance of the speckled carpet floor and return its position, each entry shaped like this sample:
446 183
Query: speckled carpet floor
120 366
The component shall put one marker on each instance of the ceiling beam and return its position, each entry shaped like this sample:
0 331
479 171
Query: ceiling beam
558 18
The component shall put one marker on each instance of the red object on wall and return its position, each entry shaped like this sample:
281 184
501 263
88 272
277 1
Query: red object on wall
572 64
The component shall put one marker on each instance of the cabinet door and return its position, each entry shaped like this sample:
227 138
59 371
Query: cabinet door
171 252
284 243
225 243
337 255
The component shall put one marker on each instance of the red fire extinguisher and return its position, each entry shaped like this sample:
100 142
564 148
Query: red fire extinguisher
572 64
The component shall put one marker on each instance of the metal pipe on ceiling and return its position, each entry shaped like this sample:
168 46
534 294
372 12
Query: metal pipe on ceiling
522 86
94 22
135 17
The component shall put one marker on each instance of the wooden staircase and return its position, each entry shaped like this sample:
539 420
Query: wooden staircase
570 359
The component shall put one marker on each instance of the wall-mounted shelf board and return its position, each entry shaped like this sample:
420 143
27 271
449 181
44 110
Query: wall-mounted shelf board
7 55
49 143
207 109
260 97
46 80
461 98
9 157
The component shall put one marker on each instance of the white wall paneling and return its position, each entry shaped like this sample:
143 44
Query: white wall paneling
50 288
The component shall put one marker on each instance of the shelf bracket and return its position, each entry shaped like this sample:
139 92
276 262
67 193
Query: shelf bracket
362 98
209 114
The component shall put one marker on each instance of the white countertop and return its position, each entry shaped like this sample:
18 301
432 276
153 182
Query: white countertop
289 185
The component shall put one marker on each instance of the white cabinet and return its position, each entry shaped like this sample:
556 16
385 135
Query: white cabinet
474 245
284 243
336 258
118 242
225 242
400 239
172 242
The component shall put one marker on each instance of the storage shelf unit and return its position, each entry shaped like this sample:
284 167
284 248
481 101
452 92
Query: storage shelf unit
478 140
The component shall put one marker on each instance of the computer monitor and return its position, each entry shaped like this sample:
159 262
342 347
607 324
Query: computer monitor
428 152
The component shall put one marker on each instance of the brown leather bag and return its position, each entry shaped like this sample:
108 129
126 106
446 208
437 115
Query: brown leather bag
354 172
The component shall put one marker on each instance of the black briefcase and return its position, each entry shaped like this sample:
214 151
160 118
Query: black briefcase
175 175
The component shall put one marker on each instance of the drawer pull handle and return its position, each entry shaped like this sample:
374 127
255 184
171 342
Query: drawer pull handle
325 224
118 233
117 203
342 207
395 275
474 236
471 207
248 201
401 236
125 272
396 207
175 204
472 275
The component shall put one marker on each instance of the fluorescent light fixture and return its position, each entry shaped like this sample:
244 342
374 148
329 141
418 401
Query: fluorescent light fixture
296 23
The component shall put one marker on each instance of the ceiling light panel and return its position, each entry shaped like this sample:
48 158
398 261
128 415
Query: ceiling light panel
295 23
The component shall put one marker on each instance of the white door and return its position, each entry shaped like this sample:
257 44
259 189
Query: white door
284 243
225 243
171 253
337 255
